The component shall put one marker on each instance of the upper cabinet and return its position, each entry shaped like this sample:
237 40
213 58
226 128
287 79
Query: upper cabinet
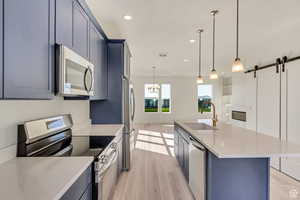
80 30
64 22
1 49
27 55
28 49
98 56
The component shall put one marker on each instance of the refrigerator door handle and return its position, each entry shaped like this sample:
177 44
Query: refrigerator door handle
133 104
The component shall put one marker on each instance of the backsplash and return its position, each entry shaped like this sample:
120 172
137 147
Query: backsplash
16 112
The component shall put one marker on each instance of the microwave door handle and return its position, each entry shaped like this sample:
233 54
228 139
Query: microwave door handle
84 79
92 78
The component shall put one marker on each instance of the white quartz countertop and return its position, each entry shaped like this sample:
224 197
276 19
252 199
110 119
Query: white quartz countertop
229 141
35 178
98 130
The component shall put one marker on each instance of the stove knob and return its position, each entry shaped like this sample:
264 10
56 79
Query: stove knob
103 159
113 146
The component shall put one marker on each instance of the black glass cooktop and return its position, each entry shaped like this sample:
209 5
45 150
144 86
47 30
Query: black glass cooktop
81 147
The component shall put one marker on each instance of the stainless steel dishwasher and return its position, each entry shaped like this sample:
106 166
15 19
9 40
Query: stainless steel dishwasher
197 169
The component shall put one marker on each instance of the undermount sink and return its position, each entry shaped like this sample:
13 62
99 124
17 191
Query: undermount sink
199 126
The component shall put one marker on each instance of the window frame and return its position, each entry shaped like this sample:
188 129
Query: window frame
212 95
159 98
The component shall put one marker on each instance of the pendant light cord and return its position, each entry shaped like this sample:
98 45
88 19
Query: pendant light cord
214 27
237 28
200 60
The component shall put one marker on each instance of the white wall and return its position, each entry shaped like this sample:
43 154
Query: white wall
244 98
184 104
14 112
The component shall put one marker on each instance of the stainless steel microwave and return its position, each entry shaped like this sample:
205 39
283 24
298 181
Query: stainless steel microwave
75 73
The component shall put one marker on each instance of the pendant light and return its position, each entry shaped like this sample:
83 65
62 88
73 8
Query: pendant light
155 87
237 64
213 74
200 78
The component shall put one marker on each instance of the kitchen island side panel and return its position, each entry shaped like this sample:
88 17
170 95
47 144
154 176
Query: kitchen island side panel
237 178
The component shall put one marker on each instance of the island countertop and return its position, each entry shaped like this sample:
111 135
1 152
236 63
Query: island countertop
36 178
229 141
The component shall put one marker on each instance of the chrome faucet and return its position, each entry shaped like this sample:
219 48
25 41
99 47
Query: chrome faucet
215 116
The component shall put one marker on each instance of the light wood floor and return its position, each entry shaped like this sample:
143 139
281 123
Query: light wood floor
155 174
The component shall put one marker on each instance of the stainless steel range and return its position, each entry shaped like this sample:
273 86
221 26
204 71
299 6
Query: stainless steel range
53 137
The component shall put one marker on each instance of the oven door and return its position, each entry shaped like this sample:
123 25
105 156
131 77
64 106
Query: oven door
108 174
76 74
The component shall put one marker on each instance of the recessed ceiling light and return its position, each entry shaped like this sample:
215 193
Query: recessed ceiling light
127 17
186 60
192 41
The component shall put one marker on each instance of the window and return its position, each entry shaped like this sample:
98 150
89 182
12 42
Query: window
151 99
204 97
165 97
161 98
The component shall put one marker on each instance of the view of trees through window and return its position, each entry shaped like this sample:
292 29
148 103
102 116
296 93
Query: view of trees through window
160 98
165 97
204 97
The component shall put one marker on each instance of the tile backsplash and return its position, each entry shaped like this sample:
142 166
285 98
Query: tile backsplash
14 112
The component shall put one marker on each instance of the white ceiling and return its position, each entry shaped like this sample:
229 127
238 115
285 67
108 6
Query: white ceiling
268 29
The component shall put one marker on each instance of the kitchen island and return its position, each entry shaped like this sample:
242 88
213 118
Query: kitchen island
236 162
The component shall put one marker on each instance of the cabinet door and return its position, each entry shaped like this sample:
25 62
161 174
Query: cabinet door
186 159
98 56
1 49
290 115
181 152
64 22
80 31
176 144
268 105
28 49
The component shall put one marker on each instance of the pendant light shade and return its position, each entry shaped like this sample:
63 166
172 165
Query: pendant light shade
200 79
237 65
213 74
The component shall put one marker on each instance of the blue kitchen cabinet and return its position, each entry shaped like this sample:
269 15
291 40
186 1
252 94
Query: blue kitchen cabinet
28 28
110 111
64 22
1 49
80 30
98 56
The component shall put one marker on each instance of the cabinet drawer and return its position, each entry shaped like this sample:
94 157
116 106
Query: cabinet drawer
77 190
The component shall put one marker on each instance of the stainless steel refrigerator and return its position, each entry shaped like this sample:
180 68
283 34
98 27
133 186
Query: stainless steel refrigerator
119 106
128 118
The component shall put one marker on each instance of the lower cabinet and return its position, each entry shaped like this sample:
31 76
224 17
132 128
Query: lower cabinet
82 188
181 149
